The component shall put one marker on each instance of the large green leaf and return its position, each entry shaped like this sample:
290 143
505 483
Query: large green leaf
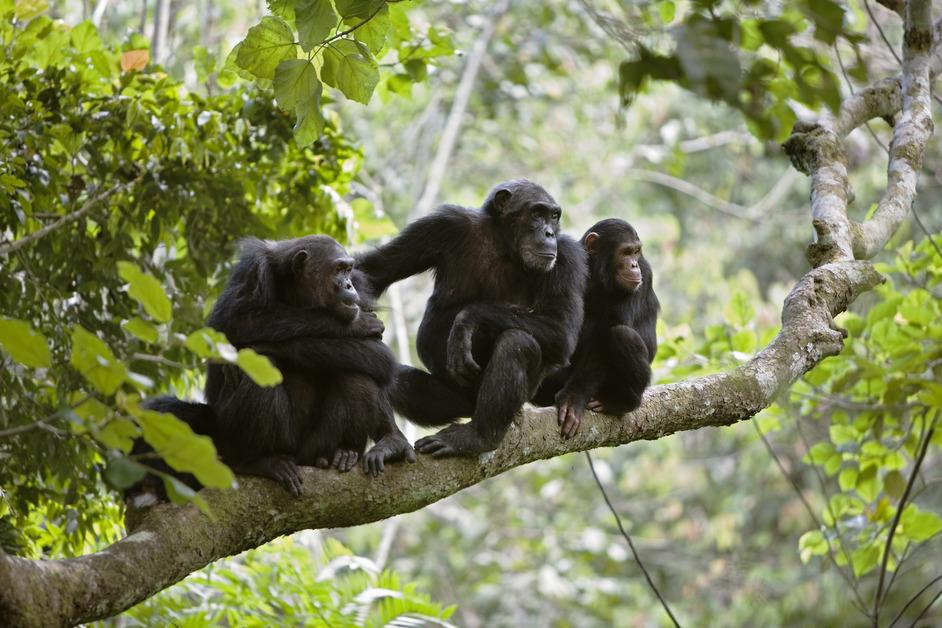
315 21
146 290
310 124
295 82
26 346
267 44
358 8
94 360
182 449
349 66
919 525
259 368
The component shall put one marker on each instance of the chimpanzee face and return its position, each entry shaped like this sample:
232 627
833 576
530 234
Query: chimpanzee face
324 272
615 254
531 219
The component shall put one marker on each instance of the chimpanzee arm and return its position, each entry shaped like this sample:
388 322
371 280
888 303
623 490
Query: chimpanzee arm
370 357
252 324
554 321
417 248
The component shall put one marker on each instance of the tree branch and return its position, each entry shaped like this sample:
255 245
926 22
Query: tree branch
11 247
168 542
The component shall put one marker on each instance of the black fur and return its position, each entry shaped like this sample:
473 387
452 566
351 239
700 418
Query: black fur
295 302
611 365
505 310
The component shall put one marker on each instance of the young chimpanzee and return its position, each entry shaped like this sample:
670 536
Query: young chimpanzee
295 302
506 310
611 365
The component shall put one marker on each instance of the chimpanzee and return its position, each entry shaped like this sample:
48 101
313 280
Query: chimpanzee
295 302
611 366
506 310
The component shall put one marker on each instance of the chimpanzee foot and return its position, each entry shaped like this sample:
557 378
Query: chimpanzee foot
460 439
344 460
391 448
281 469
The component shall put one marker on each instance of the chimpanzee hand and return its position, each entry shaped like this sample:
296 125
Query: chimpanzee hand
367 325
569 408
461 365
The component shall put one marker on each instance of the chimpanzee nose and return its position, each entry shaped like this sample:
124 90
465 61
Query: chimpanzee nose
634 263
548 233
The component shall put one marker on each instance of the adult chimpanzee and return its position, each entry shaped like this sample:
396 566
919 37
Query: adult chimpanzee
611 365
295 302
505 310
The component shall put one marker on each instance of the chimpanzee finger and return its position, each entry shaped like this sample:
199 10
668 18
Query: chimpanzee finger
322 463
561 411
571 425
409 454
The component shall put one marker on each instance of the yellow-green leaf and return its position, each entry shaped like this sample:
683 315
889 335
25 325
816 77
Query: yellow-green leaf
146 290
95 361
23 344
259 368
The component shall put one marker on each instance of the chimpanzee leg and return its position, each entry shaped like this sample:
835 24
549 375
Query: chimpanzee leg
629 374
510 378
257 431
427 400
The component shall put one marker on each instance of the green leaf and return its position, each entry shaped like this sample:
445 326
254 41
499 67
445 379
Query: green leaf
358 8
204 63
310 124
919 525
267 44
349 66
139 328
868 484
295 82
894 484
180 493
259 368
739 311
865 558
182 449
95 361
85 37
811 544
28 9
667 9
819 453
209 343
118 433
26 346
841 434
373 32
315 20
146 290
122 472
847 479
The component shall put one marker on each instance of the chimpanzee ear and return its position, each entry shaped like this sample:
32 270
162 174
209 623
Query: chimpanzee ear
298 260
590 240
498 203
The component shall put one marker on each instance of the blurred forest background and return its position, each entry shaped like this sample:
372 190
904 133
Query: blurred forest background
781 520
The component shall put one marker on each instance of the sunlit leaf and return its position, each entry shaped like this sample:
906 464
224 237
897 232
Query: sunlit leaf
24 344
146 290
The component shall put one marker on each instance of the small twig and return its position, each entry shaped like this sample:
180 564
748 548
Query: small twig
631 545
926 609
10 247
899 615
878 598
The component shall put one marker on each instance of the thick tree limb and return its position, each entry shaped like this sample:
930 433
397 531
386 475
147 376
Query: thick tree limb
168 542
818 148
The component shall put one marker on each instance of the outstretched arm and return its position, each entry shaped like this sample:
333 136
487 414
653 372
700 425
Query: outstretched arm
416 249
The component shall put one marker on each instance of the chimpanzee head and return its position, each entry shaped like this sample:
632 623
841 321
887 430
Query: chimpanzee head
615 256
322 273
312 271
528 218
